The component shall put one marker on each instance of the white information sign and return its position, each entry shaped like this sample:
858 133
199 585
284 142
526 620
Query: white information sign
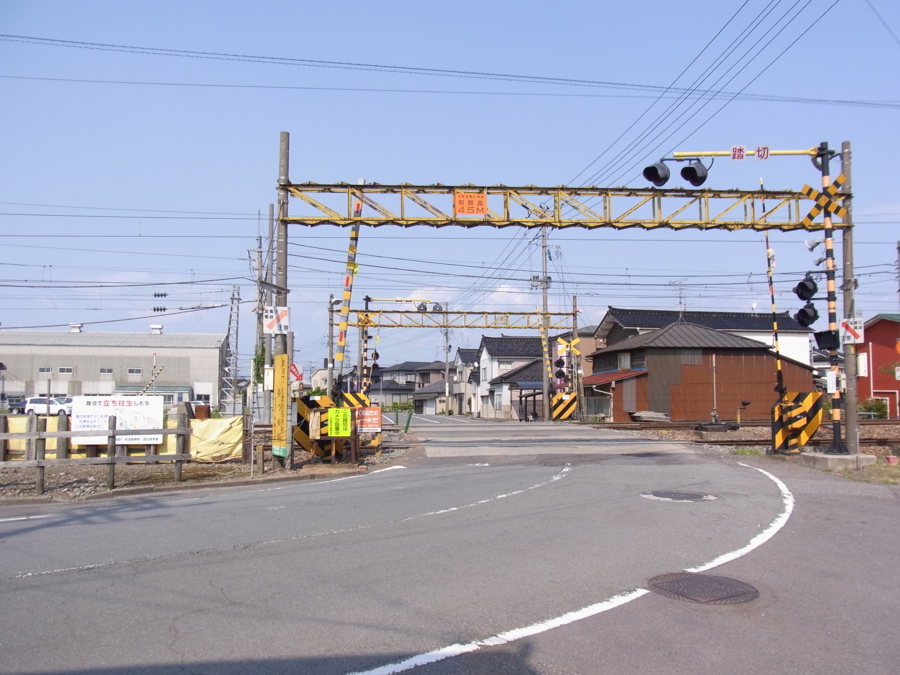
830 382
897 372
276 320
852 331
132 412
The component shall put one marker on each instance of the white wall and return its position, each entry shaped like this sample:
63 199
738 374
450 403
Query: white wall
791 345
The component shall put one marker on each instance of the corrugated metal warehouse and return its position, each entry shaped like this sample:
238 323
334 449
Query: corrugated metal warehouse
83 363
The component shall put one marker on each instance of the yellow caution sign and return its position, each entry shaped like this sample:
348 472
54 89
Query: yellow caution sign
795 418
562 405
280 407
355 400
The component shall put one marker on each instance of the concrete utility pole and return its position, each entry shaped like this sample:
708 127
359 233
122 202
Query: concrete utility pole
270 256
446 367
330 364
281 346
545 328
851 395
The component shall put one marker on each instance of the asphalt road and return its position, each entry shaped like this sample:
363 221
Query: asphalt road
483 549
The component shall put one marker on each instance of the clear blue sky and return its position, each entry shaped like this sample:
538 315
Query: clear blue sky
155 183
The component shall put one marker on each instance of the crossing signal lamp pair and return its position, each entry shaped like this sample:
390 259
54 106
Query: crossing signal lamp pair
560 364
376 369
806 290
694 173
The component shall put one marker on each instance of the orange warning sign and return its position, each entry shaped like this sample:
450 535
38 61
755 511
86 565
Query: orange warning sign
469 204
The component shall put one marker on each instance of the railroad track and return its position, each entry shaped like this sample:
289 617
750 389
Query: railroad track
818 442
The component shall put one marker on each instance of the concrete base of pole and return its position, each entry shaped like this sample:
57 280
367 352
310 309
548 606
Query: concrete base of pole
826 462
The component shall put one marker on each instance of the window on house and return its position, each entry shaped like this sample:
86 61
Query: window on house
426 378
135 371
66 370
625 361
484 376
505 365
106 371
45 369
203 397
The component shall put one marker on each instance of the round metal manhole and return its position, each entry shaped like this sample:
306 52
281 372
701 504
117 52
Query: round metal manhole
676 496
703 588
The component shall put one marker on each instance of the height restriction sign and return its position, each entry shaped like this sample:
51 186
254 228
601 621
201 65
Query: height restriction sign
470 204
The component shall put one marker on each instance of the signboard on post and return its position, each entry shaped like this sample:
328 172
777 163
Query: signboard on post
276 320
368 419
131 412
295 371
852 331
470 204
339 422
279 407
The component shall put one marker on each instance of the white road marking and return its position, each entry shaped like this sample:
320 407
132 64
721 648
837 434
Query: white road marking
591 610
192 499
12 520
427 420
390 468
455 419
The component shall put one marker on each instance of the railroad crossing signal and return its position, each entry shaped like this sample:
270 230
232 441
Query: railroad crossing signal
570 346
795 418
824 201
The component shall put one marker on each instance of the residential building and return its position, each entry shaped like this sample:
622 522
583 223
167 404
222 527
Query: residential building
880 356
464 388
432 372
180 367
687 371
793 339
404 372
498 356
430 399
389 392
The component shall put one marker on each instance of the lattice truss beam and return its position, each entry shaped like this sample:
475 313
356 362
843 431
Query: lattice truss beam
557 207
482 320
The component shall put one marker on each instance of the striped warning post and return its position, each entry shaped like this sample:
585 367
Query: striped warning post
312 424
354 400
795 418
562 405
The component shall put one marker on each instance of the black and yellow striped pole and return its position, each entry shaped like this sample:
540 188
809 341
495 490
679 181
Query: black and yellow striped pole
348 290
821 160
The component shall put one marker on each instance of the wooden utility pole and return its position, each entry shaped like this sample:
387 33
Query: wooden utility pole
851 394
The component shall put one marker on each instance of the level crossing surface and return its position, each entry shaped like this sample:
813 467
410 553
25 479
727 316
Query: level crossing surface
365 573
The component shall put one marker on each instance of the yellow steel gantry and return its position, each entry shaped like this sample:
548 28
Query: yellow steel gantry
484 320
559 207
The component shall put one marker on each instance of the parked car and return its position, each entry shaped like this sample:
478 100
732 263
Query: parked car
15 405
58 406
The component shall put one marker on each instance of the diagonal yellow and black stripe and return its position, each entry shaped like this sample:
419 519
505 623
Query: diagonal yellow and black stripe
354 400
824 200
562 405
794 420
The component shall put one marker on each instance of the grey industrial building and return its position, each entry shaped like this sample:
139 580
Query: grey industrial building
193 365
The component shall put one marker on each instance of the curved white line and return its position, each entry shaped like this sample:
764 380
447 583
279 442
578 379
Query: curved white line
591 610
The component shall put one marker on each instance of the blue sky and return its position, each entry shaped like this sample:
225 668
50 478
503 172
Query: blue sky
162 180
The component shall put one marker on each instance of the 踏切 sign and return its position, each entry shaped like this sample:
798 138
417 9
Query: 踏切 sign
852 331
739 152
368 419
276 320
470 204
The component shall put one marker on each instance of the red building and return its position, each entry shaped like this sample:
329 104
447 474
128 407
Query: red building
685 371
882 358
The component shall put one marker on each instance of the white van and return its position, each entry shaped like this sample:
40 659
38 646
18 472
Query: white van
58 406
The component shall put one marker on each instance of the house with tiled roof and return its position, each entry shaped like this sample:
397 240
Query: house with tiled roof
687 371
466 365
793 339
496 357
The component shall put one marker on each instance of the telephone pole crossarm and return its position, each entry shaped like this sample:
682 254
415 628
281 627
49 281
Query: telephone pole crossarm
558 207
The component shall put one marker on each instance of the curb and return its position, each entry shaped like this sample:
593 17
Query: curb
163 489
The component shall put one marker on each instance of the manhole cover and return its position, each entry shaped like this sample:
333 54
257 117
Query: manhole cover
674 496
703 588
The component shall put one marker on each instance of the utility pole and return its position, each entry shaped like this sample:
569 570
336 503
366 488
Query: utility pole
575 359
281 437
260 346
270 255
837 447
545 327
851 395
330 364
446 366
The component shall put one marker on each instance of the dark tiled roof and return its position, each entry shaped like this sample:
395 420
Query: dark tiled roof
435 365
393 385
512 346
529 372
467 355
432 390
657 318
405 366
583 331
684 336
